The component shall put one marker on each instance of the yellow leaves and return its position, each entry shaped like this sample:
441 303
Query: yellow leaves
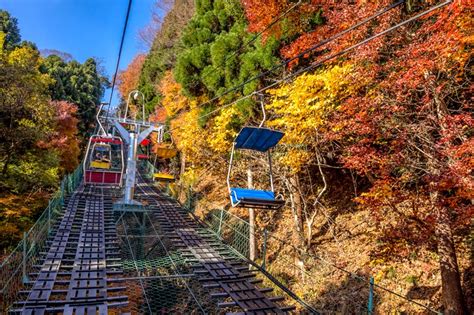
2 41
186 133
384 190
223 134
295 158
173 100
24 57
190 177
12 208
302 107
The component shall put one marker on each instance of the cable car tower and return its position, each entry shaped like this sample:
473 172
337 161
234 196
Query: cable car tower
133 132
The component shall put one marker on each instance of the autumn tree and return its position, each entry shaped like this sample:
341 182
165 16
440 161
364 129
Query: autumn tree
26 118
286 20
128 79
38 138
165 47
64 138
409 132
302 108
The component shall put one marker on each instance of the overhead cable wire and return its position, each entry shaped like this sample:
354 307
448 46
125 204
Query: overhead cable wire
122 40
323 60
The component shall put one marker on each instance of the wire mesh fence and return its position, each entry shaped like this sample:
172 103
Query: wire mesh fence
322 284
15 268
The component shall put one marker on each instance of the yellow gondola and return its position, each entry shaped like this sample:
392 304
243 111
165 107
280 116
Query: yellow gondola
163 177
164 151
100 164
101 155
164 154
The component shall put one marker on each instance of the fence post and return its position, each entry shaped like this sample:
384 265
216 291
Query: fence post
370 304
49 217
220 223
188 198
63 188
264 254
69 184
25 252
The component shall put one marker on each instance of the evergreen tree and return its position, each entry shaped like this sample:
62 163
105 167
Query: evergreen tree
219 53
76 83
9 26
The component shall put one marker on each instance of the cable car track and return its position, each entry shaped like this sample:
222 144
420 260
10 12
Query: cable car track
224 276
80 272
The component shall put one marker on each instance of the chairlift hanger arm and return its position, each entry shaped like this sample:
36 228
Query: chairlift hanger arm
145 133
123 132
101 128
135 94
230 166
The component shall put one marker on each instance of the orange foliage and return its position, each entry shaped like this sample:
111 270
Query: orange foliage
128 78
411 127
339 18
64 136
159 115
259 19
17 213
173 99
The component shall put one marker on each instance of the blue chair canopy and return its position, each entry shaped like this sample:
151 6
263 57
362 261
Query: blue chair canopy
258 139
237 194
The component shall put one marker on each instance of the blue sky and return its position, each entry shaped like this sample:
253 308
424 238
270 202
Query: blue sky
83 28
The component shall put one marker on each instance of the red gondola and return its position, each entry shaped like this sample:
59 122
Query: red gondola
104 164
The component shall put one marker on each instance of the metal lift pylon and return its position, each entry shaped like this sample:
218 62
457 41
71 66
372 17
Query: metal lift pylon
139 131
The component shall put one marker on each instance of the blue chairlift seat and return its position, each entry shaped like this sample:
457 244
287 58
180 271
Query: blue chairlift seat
257 138
253 198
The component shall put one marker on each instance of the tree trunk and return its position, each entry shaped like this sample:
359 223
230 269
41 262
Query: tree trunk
183 164
299 224
298 212
452 295
7 162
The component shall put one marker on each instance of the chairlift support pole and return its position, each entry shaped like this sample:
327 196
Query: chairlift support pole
133 138
130 174
252 248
